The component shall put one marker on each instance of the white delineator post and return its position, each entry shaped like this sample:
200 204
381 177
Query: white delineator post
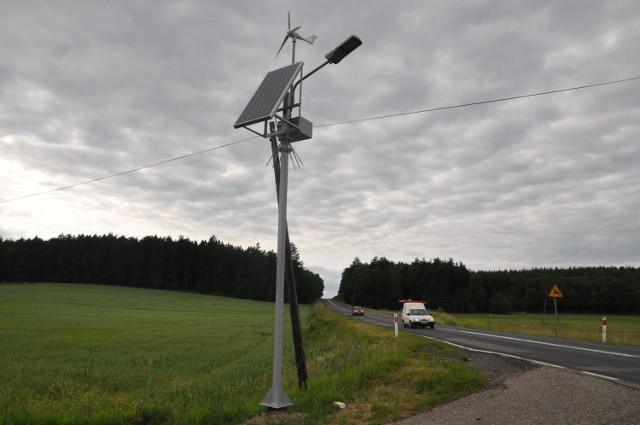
395 323
604 329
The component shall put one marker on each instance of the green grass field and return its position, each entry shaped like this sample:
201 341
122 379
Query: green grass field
75 350
620 329
85 354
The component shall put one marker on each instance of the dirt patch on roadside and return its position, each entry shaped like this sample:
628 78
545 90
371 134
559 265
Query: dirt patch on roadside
524 393
498 368
272 417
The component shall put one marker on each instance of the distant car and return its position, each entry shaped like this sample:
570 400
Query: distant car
357 310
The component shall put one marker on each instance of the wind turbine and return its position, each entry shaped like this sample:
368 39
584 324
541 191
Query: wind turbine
293 34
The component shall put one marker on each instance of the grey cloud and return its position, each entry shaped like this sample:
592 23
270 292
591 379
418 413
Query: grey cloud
89 90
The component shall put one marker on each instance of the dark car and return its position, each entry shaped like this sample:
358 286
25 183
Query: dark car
357 310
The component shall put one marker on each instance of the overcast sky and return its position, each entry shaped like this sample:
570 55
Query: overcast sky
91 89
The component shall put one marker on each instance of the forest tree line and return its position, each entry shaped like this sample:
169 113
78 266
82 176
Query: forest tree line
209 267
452 287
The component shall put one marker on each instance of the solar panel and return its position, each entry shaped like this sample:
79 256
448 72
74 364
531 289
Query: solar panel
266 100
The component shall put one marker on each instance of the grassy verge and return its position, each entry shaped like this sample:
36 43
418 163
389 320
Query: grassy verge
82 354
620 329
379 377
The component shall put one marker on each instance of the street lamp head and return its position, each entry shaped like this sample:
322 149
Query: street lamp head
340 52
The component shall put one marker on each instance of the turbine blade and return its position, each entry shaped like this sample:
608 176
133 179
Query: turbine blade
289 20
282 45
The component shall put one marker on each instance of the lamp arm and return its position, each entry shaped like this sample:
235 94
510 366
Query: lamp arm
295 86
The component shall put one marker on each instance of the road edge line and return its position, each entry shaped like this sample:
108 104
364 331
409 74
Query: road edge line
583 372
597 375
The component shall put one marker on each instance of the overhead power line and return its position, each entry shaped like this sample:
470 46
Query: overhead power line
482 102
399 114
133 170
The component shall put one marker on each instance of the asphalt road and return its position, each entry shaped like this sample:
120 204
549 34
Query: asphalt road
616 363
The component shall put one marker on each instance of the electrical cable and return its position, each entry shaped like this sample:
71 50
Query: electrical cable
482 102
155 164
399 114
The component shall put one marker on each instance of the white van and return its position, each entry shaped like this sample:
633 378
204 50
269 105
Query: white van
416 314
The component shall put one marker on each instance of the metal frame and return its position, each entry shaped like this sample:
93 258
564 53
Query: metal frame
288 90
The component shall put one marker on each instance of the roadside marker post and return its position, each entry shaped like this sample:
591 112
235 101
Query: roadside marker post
395 323
555 308
555 294
604 329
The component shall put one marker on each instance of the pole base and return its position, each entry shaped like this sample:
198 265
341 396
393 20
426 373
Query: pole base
276 398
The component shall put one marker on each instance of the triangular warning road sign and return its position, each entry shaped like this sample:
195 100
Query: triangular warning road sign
555 292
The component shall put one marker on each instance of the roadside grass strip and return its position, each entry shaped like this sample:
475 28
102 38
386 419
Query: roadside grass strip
378 377
88 354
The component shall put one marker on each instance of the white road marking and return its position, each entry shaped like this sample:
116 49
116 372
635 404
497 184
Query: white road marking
613 353
597 375
497 353
557 366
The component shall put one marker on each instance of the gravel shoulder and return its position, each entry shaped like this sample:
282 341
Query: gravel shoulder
523 393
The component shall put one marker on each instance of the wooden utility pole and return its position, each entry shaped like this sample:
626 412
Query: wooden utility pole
290 281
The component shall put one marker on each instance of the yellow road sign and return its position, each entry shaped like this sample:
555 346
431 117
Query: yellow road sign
555 292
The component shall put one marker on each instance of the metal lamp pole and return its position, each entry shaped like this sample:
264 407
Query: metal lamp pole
276 397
